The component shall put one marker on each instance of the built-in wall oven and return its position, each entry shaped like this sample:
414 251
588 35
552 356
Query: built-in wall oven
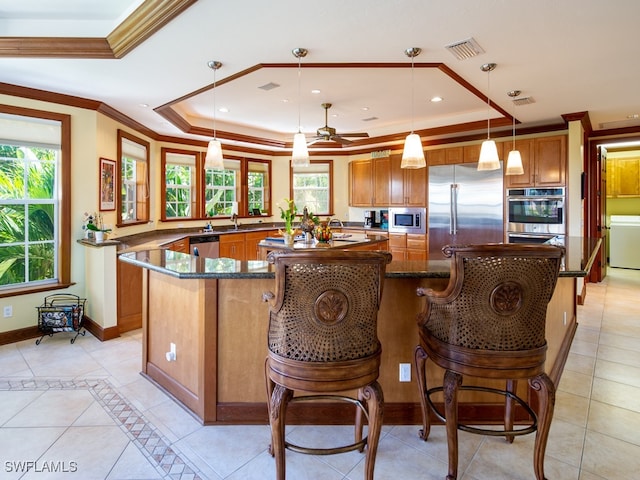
535 215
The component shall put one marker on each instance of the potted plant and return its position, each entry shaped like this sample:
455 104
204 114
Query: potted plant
288 214
93 223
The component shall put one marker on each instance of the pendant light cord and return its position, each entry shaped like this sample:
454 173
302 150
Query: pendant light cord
214 103
299 74
413 93
488 104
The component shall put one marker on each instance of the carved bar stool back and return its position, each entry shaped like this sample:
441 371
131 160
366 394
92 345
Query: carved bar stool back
490 322
323 341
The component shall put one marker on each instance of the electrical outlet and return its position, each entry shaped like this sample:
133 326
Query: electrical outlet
8 311
405 372
173 350
564 318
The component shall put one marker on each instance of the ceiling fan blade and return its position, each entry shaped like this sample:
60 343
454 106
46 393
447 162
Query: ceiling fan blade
339 139
361 134
315 140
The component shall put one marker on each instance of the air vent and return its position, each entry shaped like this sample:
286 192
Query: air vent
465 49
269 86
523 101
369 119
630 122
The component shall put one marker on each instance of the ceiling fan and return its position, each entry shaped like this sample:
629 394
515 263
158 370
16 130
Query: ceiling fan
328 134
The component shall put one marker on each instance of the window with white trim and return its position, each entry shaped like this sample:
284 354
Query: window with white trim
32 238
179 184
311 187
222 189
133 201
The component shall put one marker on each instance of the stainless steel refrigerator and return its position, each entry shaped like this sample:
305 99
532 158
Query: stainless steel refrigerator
465 207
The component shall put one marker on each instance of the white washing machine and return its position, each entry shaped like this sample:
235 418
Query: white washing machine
624 241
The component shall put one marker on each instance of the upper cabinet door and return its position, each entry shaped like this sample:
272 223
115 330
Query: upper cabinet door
361 190
551 161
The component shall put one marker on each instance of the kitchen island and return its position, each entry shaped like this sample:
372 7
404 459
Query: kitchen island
211 310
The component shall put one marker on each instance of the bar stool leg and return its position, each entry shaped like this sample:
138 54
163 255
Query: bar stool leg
277 414
420 358
546 391
372 395
451 383
509 411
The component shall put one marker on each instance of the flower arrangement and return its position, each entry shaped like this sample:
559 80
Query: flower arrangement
288 214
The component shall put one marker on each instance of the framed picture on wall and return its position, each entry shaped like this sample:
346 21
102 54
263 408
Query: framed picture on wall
107 184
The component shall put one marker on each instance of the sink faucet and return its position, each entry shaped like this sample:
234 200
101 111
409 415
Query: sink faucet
333 220
234 219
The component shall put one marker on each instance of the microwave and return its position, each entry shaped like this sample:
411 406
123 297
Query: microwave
408 220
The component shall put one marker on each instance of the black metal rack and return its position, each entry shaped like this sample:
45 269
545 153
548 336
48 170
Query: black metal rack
61 313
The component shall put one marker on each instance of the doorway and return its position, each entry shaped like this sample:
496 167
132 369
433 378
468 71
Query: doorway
610 190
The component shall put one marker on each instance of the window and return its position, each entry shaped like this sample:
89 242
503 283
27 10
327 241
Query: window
133 201
258 182
222 189
179 184
34 200
312 187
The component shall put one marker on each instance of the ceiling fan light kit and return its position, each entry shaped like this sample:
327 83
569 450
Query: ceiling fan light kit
489 151
214 158
514 160
412 154
300 153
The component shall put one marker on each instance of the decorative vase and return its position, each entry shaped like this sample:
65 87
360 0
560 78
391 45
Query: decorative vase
288 238
99 236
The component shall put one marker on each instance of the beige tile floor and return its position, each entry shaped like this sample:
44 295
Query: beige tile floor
83 411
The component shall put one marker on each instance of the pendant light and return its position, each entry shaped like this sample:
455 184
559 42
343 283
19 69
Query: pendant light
514 161
413 154
300 154
214 158
488 152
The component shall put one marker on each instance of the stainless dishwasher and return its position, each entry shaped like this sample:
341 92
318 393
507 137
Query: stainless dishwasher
205 246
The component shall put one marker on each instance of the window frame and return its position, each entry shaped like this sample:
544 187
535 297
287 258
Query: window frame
142 204
195 186
63 269
292 171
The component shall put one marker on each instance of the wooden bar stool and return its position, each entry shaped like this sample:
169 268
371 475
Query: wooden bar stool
490 322
323 340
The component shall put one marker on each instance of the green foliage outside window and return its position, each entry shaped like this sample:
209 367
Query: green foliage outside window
27 214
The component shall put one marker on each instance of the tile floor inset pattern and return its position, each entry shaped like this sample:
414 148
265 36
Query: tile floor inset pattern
143 434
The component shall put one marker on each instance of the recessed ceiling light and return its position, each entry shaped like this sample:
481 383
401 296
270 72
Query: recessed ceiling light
285 100
143 105
436 99
365 109
315 91
633 115
223 109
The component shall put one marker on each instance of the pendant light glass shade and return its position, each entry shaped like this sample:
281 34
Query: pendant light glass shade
214 159
413 155
214 155
514 163
488 152
300 155
488 156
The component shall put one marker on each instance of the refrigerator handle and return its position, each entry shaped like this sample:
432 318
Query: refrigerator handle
451 200
454 209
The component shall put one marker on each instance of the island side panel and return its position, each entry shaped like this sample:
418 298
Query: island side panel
183 312
243 320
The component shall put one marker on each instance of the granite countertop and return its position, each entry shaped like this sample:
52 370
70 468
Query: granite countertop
578 260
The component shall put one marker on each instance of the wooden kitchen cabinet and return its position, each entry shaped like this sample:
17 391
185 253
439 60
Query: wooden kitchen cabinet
623 177
232 245
408 246
369 182
181 245
251 242
408 186
129 303
544 161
